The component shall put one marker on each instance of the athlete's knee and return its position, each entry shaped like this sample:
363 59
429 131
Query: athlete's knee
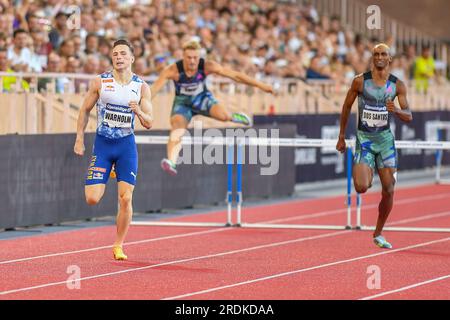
388 191
223 116
361 188
93 199
125 197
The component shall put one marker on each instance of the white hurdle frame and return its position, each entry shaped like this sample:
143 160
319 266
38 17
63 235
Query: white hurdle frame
285 142
189 140
443 125
304 143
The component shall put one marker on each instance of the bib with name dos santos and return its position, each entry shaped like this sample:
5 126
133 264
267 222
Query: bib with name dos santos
190 86
372 112
114 117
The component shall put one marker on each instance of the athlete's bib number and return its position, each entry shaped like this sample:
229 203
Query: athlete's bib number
375 119
117 119
192 90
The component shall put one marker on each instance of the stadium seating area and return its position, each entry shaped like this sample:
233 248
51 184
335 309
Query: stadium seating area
275 39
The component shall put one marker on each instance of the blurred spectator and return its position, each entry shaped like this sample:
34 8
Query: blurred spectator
20 55
262 38
91 44
140 66
3 40
104 47
54 65
60 31
398 68
8 82
105 65
424 70
72 65
315 71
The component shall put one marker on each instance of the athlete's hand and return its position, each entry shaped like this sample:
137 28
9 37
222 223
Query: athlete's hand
79 148
341 145
268 88
390 106
135 107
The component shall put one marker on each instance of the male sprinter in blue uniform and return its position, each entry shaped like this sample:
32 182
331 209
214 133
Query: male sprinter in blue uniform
375 143
119 96
192 97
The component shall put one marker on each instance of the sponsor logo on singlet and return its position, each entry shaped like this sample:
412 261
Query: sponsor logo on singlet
117 116
374 116
191 89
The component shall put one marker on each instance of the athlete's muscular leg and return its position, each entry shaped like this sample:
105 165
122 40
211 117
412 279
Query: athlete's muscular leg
387 197
220 113
125 192
94 193
178 129
362 177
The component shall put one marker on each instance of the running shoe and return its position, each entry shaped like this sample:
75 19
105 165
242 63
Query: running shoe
118 253
381 242
242 118
169 167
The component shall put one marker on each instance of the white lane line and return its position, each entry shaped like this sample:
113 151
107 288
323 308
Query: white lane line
110 246
278 275
406 288
181 261
312 215
369 206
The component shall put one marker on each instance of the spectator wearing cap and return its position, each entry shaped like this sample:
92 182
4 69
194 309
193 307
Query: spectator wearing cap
60 31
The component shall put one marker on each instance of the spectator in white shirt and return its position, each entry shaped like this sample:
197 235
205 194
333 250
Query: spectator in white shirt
18 53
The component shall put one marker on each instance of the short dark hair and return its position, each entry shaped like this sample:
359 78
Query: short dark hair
124 42
17 31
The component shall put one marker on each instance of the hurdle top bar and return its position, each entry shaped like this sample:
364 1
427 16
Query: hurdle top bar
286 142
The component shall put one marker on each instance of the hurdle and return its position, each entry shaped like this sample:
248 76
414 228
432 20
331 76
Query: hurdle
238 143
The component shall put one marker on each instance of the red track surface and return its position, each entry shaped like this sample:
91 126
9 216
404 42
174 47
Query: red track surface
237 263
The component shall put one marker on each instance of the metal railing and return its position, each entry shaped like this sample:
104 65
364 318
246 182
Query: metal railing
50 111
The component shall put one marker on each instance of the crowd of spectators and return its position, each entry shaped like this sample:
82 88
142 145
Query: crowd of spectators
262 38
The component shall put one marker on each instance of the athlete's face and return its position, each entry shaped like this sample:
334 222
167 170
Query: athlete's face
122 58
191 59
381 57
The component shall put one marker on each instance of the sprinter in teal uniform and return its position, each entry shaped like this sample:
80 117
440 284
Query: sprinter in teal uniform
375 143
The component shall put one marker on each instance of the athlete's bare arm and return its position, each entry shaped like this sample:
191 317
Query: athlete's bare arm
352 93
83 117
214 67
144 110
404 113
169 73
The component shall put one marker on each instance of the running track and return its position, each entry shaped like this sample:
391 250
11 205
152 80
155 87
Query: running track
236 263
